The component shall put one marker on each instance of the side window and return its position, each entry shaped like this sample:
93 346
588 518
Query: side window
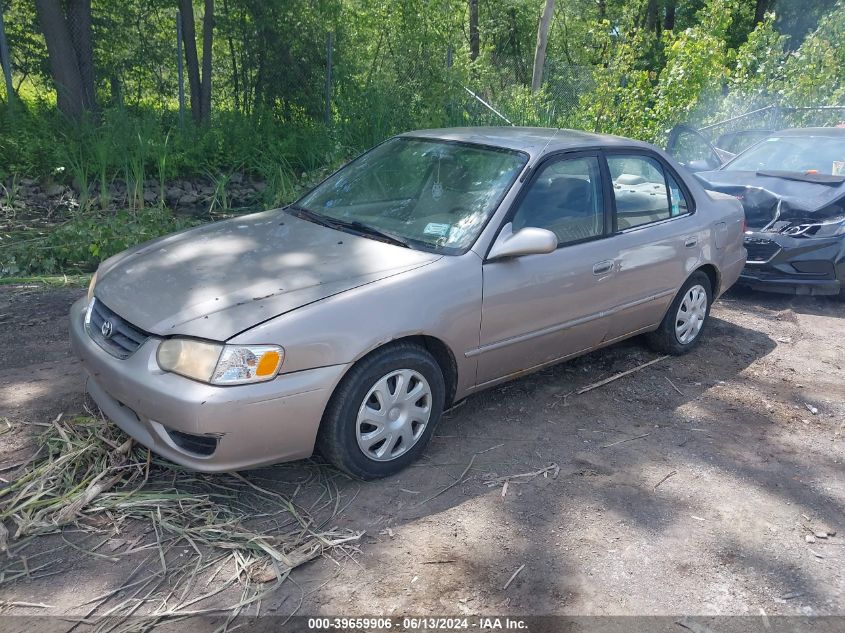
677 200
566 199
639 187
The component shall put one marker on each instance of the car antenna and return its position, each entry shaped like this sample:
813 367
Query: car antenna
539 155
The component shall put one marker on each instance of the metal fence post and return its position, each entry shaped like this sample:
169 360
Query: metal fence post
329 49
179 71
6 60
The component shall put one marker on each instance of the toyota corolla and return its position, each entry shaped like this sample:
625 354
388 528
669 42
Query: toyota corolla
437 264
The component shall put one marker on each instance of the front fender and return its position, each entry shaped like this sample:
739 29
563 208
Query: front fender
441 300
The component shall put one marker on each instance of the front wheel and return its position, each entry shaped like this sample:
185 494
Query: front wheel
684 322
383 413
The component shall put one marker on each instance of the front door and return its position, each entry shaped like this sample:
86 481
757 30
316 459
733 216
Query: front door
540 308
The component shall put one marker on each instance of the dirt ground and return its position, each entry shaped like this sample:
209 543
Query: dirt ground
689 487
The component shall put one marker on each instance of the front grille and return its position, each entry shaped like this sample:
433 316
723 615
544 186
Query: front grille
120 338
760 250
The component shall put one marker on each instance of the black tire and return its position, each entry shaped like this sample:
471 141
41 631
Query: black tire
337 439
664 339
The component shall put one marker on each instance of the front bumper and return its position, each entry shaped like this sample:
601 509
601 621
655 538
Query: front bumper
793 265
254 425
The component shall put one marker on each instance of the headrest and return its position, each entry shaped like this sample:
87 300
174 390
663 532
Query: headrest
566 190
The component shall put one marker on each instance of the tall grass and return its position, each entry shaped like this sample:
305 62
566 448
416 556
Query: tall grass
126 145
110 158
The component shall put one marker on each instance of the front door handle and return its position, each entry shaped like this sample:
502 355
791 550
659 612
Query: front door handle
690 242
603 267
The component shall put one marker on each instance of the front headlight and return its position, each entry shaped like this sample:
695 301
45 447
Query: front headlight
91 285
220 364
829 228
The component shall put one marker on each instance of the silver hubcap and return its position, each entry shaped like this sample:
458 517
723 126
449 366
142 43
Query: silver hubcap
691 314
394 415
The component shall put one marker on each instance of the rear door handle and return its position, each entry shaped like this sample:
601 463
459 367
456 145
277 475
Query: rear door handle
603 267
690 242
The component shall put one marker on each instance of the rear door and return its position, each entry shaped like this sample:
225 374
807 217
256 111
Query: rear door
656 239
539 308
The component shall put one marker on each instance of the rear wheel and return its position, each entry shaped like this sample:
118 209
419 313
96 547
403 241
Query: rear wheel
684 322
383 413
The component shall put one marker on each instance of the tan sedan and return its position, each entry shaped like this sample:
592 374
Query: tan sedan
435 265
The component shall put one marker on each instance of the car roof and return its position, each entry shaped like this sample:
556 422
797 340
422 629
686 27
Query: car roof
811 131
534 140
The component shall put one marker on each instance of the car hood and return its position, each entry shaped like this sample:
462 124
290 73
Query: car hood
791 198
220 279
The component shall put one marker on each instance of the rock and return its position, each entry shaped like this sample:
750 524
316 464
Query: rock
237 178
259 186
27 182
55 190
150 196
188 199
820 534
810 538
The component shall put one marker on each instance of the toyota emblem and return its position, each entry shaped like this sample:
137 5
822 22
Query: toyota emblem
106 329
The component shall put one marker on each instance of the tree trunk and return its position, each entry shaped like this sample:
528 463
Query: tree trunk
474 40
669 21
189 38
74 87
116 89
652 24
79 25
207 41
234 60
760 11
542 41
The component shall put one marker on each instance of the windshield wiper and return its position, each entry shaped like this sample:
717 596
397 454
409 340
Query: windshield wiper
349 225
803 176
309 215
366 229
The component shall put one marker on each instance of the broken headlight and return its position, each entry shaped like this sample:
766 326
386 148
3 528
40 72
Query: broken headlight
829 228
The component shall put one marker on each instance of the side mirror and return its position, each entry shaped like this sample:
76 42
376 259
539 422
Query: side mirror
700 165
528 241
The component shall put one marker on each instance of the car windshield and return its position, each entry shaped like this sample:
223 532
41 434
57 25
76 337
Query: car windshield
820 154
429 194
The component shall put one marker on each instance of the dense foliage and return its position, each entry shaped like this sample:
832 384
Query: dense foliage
632 67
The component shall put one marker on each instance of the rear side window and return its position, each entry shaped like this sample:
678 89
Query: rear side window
677 200
641 192
566 199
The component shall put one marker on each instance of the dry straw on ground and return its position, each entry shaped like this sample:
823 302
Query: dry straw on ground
189 539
